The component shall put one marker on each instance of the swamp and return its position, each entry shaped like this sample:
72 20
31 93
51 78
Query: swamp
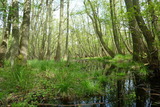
79 53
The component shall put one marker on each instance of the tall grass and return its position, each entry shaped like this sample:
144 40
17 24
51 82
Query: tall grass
49 81
44 81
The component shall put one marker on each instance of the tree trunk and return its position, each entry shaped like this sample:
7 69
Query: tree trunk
58 51
66 48
154 19
15 32
25 27
4 44
49 9
45 33
150 39
97 30
134 32
4 5
114 26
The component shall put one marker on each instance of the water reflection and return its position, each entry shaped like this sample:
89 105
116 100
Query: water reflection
155 92
128 91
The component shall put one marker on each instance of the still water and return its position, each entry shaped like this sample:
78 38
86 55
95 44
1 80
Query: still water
130 90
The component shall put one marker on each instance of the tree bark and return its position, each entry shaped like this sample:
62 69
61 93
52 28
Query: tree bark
4 44
66 48
45 33
49 9
4 5
15 32
25 27
154 19
114 26
58 51
150 39
134 32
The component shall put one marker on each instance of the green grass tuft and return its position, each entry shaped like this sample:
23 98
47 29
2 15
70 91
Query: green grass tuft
44 81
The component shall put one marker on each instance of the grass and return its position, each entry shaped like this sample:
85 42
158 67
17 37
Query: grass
122 61
54 82
47 81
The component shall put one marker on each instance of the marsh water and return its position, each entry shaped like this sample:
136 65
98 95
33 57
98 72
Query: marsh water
130 90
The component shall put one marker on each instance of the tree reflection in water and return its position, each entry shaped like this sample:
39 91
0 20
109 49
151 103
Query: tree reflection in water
130 90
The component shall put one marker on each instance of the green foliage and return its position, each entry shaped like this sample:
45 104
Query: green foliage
17 79
122 61
121 74
1 95
102 79
90 87
104 59
80 12
142 71
131 96
46 80
22 104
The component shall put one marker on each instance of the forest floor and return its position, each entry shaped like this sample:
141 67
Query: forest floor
53 82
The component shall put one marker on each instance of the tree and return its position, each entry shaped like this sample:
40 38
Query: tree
97 27
134 29
25 27
15 31
7 29
45 32
58 50
114 26
49 9
149 37
3 10
67 34
155 24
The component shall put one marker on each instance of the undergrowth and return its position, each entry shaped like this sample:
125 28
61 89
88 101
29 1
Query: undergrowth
47 81
54 82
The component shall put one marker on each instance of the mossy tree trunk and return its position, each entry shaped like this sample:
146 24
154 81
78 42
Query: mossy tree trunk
154 18
149 37
25 27
6 33
15 32
134 29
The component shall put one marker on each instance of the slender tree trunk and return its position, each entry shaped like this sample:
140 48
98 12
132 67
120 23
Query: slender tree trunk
97 28
154 19
114 26
25 27
4 5
35 29
45 33
50 30
32 33
66 48
58 51
15 32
